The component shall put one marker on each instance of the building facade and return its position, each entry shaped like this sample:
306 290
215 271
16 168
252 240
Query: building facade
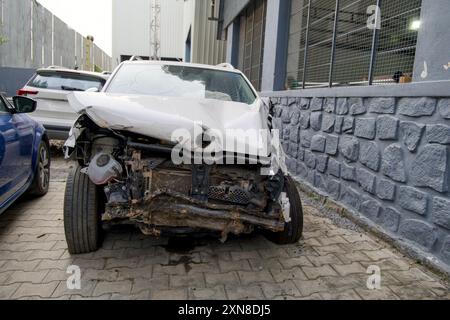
202 41
185 31
361 99
35 38
133 33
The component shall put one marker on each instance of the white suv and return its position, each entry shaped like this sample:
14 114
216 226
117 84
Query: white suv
50 87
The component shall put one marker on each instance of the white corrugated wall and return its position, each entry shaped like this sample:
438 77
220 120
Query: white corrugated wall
205 46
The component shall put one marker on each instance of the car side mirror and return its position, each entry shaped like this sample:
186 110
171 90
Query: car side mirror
92 90
24 104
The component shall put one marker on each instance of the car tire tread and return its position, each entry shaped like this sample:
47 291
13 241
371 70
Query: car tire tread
293 230
81 216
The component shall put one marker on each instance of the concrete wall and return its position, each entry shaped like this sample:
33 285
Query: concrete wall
382 152
35 39
433 49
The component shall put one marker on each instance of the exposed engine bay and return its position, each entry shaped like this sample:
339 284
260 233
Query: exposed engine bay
142 186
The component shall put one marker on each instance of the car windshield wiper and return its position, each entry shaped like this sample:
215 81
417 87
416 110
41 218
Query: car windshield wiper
66 88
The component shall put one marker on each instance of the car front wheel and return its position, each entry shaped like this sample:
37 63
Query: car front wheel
293 230
82 203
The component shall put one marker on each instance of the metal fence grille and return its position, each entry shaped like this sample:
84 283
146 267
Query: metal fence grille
253 25
333 40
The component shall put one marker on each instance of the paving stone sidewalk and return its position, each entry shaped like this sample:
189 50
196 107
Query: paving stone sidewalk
331 262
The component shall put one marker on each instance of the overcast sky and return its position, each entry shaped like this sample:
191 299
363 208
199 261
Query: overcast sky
88 17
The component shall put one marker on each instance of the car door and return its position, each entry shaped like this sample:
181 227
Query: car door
16 147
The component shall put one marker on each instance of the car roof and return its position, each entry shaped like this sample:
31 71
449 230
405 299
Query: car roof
79 72
221 67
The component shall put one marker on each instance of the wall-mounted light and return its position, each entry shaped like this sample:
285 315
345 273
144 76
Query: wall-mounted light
415 25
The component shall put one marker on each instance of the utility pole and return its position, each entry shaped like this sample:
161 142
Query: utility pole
155 30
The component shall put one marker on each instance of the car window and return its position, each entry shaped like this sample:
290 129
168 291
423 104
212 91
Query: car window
65 81
181 81
3 107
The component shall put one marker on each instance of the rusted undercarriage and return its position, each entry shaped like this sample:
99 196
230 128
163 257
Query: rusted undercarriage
168 209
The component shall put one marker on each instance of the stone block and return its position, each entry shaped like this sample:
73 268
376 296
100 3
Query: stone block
306 137
334 168
387 128
390 219
356 106
417 107
330 105
342 108
301 154
318 143
322 163
302 170
304 120
351 198
349 148
411 134
332 145
334 188
310 159
438 134
338 125
294 134
328 123
413 200
316 121
444 108
348 173
371 209
365 128
386 190
393 164
381 105
366 180
431 168
316 104
304 103
370 155
446 249
419 232
441 212
348 125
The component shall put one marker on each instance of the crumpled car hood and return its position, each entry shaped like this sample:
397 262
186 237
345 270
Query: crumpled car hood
159 117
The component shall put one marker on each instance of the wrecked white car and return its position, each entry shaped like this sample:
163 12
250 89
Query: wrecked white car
176 149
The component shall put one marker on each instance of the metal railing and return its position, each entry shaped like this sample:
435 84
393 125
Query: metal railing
351 42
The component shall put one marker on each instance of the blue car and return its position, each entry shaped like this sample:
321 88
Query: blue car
24 152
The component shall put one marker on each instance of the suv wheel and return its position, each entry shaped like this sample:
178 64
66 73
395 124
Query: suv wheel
293 230
82 206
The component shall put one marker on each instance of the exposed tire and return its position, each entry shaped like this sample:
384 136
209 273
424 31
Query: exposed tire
41 181
293 230
82 224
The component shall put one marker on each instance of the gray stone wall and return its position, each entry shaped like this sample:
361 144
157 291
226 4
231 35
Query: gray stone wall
386 158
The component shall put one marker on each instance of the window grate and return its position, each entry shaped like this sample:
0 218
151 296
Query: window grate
333 39
253 25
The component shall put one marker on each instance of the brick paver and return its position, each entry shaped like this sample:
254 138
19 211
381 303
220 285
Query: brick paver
330 262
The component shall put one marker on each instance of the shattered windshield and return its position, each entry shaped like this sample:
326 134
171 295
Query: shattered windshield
181 82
